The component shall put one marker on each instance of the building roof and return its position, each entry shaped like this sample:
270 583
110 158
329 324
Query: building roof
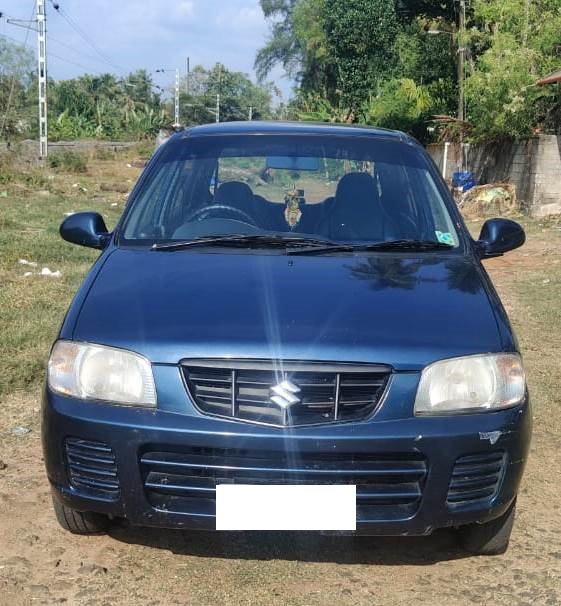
552 78
312 128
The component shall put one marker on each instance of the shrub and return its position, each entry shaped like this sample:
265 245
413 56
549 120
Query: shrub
68 160
104 154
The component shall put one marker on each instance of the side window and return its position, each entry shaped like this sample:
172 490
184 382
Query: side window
172 207
442 225
151 201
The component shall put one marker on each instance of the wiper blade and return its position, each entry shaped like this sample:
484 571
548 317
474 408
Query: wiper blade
390 245
408 245
264 240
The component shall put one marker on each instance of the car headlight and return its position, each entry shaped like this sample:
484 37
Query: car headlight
471 384
96 372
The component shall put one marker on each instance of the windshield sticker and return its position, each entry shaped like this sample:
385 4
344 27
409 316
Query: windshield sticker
292 212
445 237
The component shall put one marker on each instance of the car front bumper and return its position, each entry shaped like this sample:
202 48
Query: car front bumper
410 464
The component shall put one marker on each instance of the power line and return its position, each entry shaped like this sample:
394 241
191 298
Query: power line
54 56
70 47
49 54
76 27
14 40
104 58
57 41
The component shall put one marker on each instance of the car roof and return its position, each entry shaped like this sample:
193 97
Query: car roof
297 128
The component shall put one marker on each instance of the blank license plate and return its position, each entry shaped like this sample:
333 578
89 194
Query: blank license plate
285 507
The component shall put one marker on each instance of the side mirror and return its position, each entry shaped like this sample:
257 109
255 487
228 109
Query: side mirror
499 236
85 229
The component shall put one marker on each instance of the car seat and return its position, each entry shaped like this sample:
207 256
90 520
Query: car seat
237 195
356 212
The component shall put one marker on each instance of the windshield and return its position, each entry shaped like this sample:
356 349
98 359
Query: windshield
337 188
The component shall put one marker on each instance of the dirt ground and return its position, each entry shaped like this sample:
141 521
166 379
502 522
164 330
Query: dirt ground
42 564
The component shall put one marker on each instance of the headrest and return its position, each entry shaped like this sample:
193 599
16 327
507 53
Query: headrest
234 192
355 187
356 213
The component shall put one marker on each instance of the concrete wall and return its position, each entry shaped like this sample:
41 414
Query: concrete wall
533 165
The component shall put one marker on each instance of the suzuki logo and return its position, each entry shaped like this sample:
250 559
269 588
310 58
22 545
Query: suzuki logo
283 394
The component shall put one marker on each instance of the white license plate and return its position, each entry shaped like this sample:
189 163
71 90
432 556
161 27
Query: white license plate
285 507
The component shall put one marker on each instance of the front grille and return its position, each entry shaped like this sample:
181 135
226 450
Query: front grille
476 478
92 468
388 486
285 393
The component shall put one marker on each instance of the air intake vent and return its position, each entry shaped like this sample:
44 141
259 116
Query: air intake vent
285 394
92 468
388 486
476 478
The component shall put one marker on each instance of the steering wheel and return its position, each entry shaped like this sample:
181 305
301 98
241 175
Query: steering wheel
203 213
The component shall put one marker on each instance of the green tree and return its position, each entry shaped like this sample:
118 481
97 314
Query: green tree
105 107
344 54
519 45
402 105
414 45
440 9
375 61
298 43
139 86
500 91
360 37
319 71
283 45
237 95
16 67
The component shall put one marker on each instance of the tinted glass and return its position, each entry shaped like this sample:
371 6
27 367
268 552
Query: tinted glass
345 189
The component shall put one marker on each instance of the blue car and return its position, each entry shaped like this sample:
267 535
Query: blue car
288 305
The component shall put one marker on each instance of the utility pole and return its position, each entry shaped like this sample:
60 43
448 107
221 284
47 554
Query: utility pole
187 78
177 123
42 76
461 73
459 32
218 94
461 59
250 117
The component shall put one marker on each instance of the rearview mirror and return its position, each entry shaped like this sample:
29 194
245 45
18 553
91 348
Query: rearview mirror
85 229
499 236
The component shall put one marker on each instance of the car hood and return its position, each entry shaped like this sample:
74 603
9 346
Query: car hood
399 309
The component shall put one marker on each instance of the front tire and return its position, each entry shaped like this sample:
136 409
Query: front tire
80 522
490 538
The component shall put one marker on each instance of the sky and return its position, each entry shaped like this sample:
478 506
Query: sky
151 34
